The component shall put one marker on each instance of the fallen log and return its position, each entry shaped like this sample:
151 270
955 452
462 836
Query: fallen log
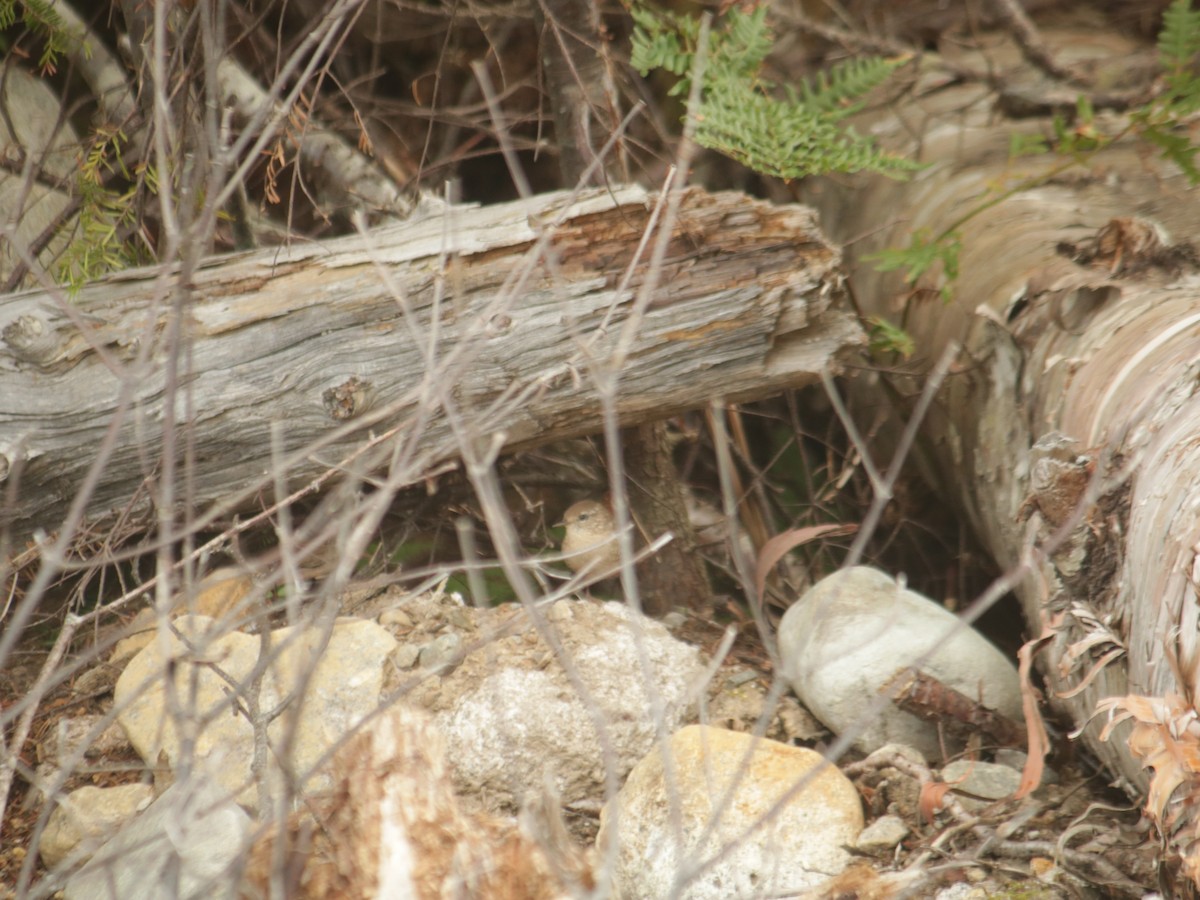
282 363
1067 437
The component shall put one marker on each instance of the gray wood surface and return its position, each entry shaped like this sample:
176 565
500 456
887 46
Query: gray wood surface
352 352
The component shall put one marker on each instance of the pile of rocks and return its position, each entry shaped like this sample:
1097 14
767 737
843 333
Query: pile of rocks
427 749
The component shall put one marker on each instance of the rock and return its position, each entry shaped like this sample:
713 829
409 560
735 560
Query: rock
561 611
395 829
191 833
140 631
882 835
674 620
341 679
962 891
87 817
395 619
77 737
1016 759
219 595
984 781
440 652
800 847
857 629
405 656
513 718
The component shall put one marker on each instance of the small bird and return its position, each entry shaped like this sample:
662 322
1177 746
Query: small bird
590 544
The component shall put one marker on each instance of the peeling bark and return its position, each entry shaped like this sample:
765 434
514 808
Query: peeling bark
1074 415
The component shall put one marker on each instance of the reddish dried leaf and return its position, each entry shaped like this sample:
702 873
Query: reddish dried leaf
774 549
932 795
1035 728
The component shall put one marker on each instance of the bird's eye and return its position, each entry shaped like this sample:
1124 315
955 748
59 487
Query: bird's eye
583 517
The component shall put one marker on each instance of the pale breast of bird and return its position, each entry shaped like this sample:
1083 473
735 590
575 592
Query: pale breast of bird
590 543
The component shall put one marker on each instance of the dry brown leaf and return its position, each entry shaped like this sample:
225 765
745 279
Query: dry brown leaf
932 795
1166 737
774 549
1035 728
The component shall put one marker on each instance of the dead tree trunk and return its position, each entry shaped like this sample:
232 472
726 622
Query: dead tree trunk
1068 436
350 354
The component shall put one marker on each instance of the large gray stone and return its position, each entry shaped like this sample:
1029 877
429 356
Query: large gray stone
514 718
183 846
854 631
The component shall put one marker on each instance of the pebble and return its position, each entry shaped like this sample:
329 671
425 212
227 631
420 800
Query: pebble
882 835
405 656
440 651
983 780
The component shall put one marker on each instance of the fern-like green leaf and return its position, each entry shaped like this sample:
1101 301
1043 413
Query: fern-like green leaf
1178 44
888 338
743 46
105 215
1176 148
920 256
42 19
1179 39
839 91
739 114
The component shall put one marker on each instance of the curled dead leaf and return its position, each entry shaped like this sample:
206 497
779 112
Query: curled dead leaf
774 549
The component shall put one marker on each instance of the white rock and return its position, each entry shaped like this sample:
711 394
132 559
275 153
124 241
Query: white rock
394 829
513 718
87 817
962 891
181 846
798 848
341 679
853 631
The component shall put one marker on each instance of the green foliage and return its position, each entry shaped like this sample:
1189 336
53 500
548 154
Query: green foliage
1026 145
888 338
40 17
1176 147
105 215
740 113
920 256
1158 121
1178 43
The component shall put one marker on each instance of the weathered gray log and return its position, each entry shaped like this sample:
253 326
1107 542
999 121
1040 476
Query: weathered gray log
504 313
1076 306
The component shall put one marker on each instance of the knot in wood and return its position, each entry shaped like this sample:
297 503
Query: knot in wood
30 340
349 399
